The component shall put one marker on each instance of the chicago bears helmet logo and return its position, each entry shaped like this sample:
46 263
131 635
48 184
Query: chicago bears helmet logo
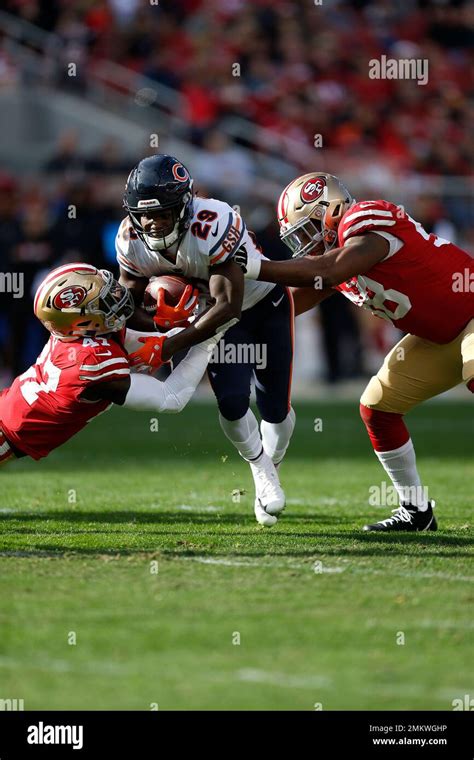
180 173
69 297
312 189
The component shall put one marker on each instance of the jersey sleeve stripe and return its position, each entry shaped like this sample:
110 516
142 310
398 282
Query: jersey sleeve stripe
97 367
222 253
369 212
125 264
367 223
94 378
223 237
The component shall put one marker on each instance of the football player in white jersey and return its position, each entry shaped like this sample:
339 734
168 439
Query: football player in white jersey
170 230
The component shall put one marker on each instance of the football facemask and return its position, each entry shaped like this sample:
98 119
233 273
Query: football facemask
164 238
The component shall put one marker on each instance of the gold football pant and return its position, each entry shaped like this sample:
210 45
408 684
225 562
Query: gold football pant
416 370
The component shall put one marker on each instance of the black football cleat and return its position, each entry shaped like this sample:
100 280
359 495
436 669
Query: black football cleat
407 518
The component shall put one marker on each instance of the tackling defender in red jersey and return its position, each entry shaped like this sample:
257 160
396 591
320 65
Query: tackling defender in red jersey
85 367
385 262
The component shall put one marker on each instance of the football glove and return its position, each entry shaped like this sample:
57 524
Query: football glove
169 316
148 359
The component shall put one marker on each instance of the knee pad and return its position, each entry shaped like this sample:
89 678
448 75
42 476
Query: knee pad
373 393
233 407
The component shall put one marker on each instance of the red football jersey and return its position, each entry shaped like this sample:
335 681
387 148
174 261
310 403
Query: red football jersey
424 284
43 407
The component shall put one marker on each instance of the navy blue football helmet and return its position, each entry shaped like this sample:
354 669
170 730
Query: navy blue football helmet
160 183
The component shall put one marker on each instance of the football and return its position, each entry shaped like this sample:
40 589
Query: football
174 287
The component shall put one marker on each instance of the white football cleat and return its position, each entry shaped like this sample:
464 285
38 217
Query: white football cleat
262 517
268 490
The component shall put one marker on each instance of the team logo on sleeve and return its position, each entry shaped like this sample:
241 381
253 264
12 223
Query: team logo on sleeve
312 189
180 173
70 297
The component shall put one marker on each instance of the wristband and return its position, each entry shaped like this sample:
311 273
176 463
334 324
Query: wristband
253 269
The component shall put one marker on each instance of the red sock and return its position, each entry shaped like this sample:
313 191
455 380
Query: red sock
470 385
387 431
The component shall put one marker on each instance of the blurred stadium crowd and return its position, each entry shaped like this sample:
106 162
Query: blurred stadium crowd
300 72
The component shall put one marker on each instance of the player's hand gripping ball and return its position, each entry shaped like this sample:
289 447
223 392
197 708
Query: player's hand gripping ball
172 299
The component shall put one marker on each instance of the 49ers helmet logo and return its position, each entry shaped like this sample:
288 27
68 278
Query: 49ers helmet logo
180 173
312 189
69 297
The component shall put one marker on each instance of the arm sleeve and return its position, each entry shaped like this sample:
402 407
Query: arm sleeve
172 395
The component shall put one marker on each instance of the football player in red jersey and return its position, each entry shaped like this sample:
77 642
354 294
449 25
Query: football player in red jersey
85 366
383 260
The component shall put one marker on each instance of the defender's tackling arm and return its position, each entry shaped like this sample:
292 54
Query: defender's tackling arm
321 272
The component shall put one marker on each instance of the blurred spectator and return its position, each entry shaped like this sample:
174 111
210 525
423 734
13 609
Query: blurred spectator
109 159
77 232
32 253
223 167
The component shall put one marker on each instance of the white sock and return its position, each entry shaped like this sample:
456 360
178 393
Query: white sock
244 434
400 466
276 436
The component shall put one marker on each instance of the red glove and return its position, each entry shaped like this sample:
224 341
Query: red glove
174 316
148 358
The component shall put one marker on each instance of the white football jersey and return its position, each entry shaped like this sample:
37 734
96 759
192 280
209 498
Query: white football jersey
215 233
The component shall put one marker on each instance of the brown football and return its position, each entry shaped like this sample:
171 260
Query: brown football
173 285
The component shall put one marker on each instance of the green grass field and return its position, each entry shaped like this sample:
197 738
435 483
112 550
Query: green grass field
131 540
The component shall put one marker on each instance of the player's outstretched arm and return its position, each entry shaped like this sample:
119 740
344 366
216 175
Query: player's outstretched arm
171 395
358 256
142 392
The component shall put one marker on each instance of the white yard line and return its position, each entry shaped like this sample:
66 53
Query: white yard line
63 666
290 564
259 563
274 678
191 508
